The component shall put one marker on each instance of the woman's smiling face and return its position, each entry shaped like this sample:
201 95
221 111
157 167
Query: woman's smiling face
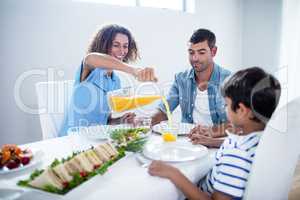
119 48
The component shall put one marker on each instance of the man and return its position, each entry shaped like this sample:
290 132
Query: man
197 91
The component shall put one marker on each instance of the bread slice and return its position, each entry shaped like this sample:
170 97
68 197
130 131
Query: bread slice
73 166
108 150
47 178
93 158
84 162
62 172
101 153
113 149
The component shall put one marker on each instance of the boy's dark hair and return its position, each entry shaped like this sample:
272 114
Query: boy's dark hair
202 35
256 89
103 39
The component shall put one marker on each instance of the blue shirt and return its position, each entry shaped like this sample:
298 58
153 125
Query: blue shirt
183 92
88 104
233 163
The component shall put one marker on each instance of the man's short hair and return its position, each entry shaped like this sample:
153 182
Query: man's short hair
202 35
256 89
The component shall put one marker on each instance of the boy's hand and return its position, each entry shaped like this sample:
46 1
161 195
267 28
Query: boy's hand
161 169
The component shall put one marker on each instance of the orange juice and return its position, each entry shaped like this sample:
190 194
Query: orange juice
126 101
123 103
169 137
165 102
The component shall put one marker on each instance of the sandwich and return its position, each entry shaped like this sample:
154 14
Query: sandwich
101 153
73 166
48 177
108 150
83 161
62 172
112 148
93 158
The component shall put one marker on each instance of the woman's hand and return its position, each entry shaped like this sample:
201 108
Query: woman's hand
127 118
145 74
161 169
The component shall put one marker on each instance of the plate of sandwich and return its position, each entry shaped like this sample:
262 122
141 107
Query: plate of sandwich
63 175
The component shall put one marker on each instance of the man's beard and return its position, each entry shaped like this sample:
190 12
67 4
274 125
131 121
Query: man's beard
200 67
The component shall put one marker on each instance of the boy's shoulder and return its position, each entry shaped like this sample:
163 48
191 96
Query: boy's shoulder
244 146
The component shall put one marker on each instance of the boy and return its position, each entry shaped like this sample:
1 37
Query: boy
251 96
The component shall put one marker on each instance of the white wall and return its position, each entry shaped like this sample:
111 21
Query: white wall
262 23
41 34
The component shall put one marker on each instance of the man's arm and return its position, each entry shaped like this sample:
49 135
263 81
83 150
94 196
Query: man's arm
127 118
219 130
158 117
209 136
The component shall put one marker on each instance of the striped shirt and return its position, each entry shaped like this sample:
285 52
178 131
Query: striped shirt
232 166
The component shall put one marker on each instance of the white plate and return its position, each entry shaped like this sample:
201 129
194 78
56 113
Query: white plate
179 151
183 128
37 158
10 193
98 132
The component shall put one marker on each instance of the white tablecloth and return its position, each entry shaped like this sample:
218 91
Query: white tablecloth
125 179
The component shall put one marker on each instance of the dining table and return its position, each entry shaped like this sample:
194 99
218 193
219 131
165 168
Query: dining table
128 178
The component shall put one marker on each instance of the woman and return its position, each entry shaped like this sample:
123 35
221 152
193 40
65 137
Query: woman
110 49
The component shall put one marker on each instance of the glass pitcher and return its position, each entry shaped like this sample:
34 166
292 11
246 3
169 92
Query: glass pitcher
125 99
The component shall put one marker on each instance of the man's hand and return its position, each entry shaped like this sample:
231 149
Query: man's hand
204 135
127 118
200 130
158 117
206 141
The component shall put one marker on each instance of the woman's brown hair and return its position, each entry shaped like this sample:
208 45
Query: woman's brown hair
102 41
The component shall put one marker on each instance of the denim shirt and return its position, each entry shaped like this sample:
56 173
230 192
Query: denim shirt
183 92
88 104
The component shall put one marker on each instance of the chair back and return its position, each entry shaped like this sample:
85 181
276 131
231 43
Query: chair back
53 99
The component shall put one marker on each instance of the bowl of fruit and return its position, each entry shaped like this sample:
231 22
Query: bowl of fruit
13 158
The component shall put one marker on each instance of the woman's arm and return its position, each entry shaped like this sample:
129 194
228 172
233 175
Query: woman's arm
93 60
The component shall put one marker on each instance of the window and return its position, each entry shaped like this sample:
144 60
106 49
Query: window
113 2
180 5
170 4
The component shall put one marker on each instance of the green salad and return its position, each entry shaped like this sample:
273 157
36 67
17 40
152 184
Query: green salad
131 139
